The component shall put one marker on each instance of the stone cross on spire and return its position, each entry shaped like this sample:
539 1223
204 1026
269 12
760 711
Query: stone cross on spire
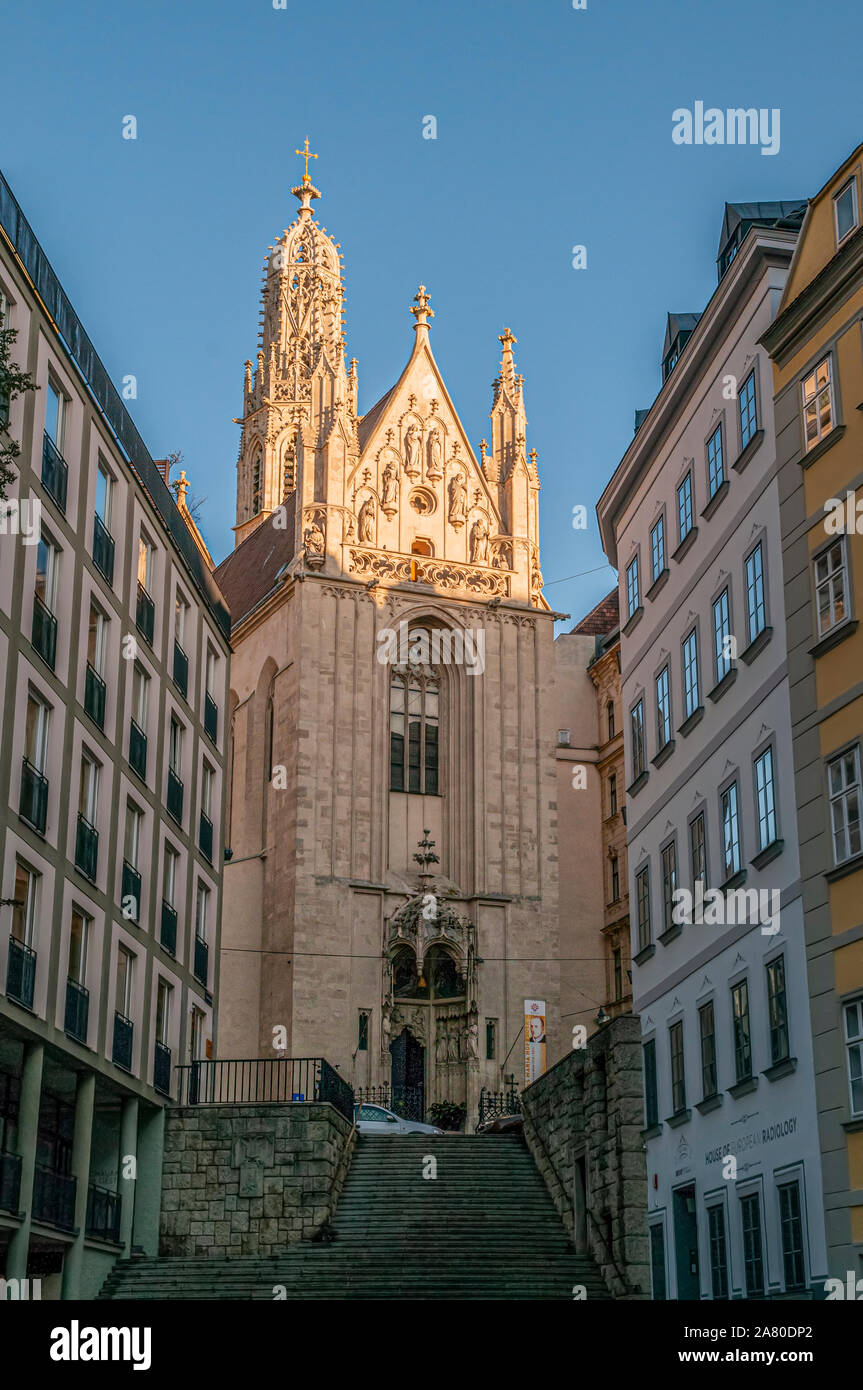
420 308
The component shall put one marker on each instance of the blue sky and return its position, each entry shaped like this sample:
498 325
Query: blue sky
553 129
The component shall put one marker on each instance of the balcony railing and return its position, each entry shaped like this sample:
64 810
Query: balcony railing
145 615
55 472
54 1198
44 633
77 1010
264 1081
86 847
94 696
211 718
162 1069
168 935
10 1181
131 889
21 972
202 959
181 669
175 796
103 1213
205 836
103 548
138 750
33 805
121 1052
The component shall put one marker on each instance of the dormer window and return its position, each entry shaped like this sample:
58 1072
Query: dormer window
673 354
845 211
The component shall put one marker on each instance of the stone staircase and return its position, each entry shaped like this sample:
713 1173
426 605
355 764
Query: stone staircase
484 1228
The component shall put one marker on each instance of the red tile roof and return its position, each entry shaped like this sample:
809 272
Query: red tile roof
248 574
602 619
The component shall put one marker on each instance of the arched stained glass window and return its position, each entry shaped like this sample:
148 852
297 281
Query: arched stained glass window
414 726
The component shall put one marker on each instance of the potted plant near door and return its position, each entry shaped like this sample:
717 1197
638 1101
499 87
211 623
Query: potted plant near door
447 1114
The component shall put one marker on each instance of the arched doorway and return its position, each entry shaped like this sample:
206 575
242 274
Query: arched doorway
407 1086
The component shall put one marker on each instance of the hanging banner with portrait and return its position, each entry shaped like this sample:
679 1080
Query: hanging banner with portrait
534 1039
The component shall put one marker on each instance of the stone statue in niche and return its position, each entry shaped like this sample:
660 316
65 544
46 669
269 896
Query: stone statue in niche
390 488
313 538
472 1038
435 456
412 451
457 501
479 541
366 522
440 1041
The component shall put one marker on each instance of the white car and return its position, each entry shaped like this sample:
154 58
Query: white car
374 1119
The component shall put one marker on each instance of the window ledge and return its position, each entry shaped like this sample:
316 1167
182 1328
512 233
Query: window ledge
721 686
669 935
853 1126
645 953
709 1103
772 851
686 544
735 881
653 1131
681 1118
718 497
780 1069
689 724
832 638
658 583
822 446
746 453
635 787
757 645
633 621
744 1087
850 866
664 754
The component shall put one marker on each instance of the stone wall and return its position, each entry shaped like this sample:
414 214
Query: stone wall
583 1122
250 1179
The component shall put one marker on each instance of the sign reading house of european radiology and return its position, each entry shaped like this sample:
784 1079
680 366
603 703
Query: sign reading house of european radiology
534 1039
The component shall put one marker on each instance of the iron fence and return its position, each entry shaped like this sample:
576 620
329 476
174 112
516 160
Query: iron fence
263 1081
493 1103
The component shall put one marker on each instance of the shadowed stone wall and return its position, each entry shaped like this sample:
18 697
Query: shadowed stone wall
583 1122
250 1179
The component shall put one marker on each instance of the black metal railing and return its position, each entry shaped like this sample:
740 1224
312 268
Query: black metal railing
202 959
175 796
181 668
86 847
103 1213
103 548
205 836
168 934
21 972
44 632
137 750
33 804
211 717
121 1052
492 1103
145 614
162 1068
264 1081
54 1197
94 696
131 888
55 472
373 1095
77 1010
10 1181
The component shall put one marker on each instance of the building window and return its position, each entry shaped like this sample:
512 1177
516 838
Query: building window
777 1010
691 698
615 879
363 1030
817 390
730 831
612 794
123 991
637 718
145 563
657 1263
669 884
845 210
684 508
651 1099
765 796
163 1012
24 908
104 493
843 776
197 1044
755 605
490 1039
698 851
140 687
722 644
97 631
609 710
256 482
642 897
632 596
715 465
414 724
270 726
854 1046
47 572
36 732
617 973
742 1037
663 709
169 875
657 548
132 836
830 587
753 1261
55 415
78 940
175 747
181 613
718 1252
748 411
88 789
791 1223
707 1028
202 905
678 1076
